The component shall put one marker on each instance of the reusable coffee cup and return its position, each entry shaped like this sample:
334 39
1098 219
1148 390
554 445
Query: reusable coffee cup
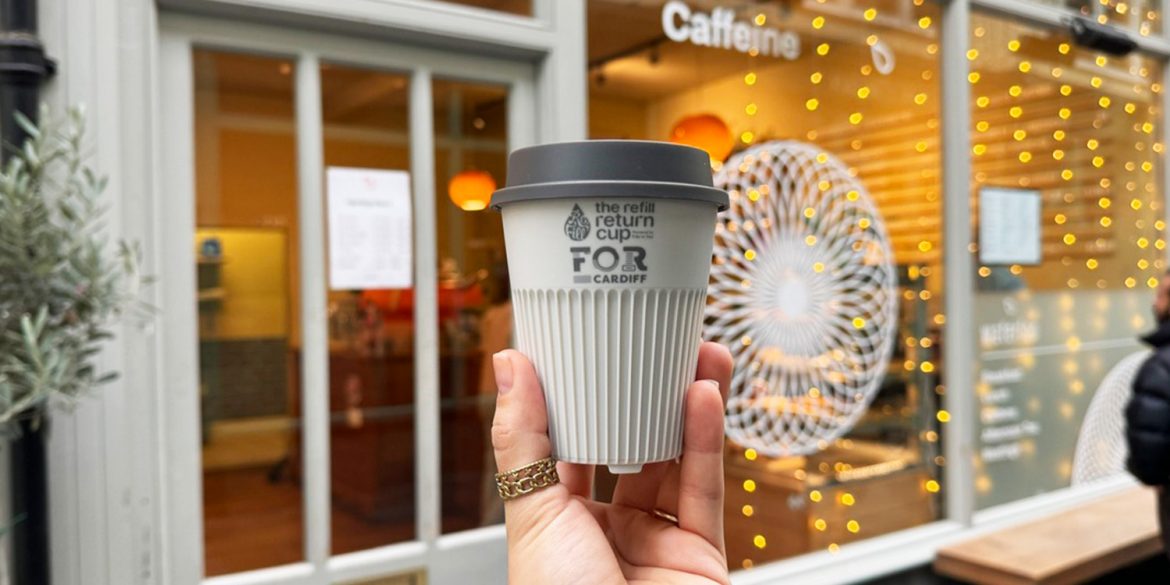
609 249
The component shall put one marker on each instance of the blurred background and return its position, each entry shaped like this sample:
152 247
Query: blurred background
281 423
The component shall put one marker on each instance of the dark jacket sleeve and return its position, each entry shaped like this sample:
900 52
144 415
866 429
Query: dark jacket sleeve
1148 421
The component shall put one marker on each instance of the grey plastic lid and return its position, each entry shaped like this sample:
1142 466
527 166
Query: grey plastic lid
609 168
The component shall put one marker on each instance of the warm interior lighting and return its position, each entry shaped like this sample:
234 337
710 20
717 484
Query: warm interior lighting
471 190
706 131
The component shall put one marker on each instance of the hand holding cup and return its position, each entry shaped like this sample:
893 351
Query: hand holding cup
665 524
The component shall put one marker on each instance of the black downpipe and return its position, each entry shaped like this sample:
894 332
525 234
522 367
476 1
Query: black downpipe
23 67
30 506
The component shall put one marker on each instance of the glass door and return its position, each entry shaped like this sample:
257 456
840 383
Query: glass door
338 284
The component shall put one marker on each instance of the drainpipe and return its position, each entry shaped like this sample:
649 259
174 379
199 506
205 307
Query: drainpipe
23 66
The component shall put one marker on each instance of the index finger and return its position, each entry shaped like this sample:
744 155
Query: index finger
700 480
715 364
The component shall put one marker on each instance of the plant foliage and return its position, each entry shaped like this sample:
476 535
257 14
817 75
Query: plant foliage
63 285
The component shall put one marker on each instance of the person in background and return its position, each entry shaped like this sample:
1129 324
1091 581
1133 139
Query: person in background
1148 413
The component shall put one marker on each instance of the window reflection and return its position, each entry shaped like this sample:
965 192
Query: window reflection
371 330
475 309
1080 131
248 265
862 88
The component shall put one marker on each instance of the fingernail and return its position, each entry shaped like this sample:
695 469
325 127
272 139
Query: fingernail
713 383
503 368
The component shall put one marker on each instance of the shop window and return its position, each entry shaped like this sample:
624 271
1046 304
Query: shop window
248 265
365 124
822 119
475 308
1067 163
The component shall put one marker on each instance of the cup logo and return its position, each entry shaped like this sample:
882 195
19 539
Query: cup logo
619 229
577 226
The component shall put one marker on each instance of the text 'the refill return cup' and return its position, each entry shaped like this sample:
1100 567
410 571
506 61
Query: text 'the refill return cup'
609 248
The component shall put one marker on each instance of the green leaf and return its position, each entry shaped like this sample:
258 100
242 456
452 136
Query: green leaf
61 286
27 125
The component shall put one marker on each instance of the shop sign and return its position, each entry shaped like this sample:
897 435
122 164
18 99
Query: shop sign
719 29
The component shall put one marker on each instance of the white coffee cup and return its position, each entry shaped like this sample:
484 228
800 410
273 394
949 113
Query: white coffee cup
609 249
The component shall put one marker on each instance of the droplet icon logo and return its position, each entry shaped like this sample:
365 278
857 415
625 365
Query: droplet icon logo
577 226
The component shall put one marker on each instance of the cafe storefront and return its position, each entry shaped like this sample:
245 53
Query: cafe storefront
937 344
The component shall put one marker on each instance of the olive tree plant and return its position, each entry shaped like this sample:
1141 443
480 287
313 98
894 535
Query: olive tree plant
63 284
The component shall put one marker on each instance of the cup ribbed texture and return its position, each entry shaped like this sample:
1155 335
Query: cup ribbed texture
615 366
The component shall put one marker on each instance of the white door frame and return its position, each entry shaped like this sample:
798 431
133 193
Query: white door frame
481 552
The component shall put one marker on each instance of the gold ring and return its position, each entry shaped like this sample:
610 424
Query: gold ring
665 516
527 479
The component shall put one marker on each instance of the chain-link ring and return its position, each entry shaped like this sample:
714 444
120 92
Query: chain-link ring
525 480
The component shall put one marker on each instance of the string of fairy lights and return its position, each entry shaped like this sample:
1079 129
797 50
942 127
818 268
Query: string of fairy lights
831 519
1140 15
1079 127
1065 134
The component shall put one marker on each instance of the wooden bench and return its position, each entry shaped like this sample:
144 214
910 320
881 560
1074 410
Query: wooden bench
1070 547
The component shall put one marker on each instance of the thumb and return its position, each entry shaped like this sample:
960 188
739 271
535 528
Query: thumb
520 437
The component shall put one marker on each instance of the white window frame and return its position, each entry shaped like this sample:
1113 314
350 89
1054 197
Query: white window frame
553 37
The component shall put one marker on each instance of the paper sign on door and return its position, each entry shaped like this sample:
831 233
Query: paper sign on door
369 228
1009 226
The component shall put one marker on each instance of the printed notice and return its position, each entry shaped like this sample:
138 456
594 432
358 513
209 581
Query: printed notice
1004 428
1009 226
369 228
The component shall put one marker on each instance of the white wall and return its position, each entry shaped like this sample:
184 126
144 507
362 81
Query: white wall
103 497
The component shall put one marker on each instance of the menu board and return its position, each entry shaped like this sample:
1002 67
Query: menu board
1009 226
369 228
